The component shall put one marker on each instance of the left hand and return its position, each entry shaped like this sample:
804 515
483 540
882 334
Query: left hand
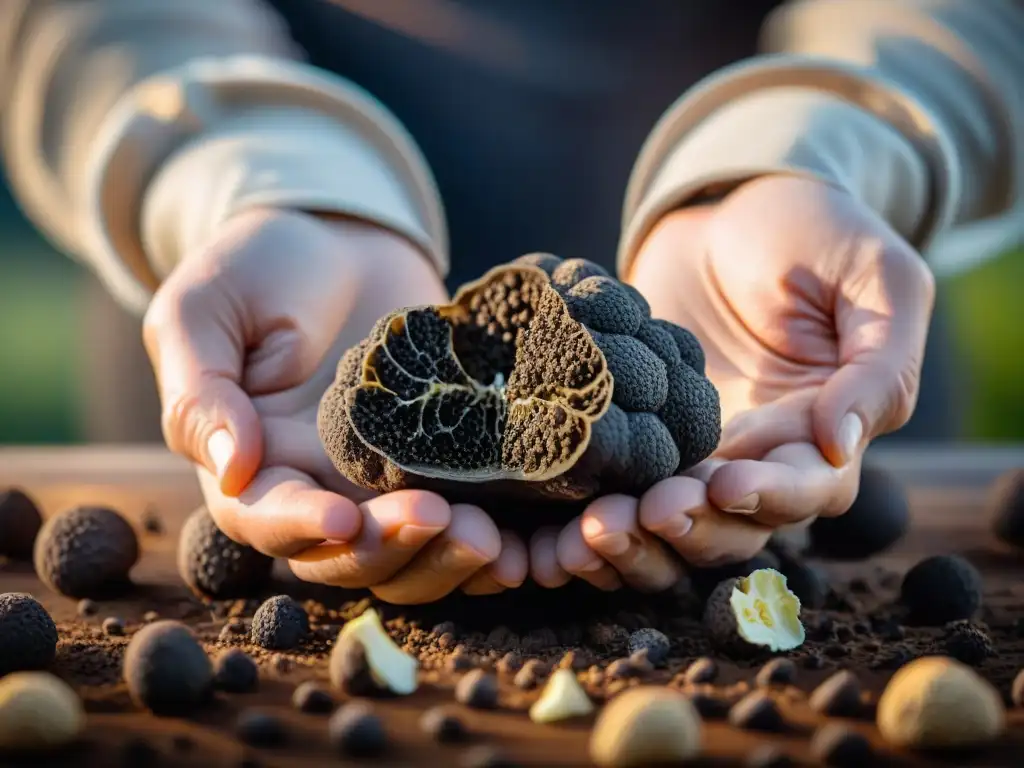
813 314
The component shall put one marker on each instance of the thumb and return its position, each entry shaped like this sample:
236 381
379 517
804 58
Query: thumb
882 319
195 341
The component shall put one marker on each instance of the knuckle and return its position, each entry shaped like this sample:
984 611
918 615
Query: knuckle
182 424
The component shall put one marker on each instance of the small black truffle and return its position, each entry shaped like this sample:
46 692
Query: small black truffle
757 712
28 636
1006 505
768 756
702 670
312 698
87 608
654 642
486 756
477 689
113 627
835 744
838 696
443 726
234 671
776 672
212 564
355 730
709 705
280 624
941 589
167 670
967 643
260 729
878 518
85 552
20 522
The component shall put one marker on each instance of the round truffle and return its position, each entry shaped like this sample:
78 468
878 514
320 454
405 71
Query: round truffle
941 589
234 671
260 729
838 696
757 712
1006 505
86 552
28 636
506 390
38 713
212 564
280 624
167 670
878 518
967 643
654 642
20 522
355 730
312 698
835 744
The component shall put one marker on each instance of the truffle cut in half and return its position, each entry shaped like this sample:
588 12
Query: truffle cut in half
545 378
754 612
86 552
212 564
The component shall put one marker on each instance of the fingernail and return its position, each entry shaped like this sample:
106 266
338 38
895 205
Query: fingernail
416 535
748 505
678 526
851 431
593 565
339 524
457 556
613 544
220 448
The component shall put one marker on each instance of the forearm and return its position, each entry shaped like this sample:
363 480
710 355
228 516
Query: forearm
912 106
131 130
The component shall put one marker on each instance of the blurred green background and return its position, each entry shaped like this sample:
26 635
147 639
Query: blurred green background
43 343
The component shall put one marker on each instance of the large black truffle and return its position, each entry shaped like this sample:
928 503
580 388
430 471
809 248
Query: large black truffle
1006 505
28 636
280 624
878 518
19 524
212 564
545 379
942 589
86 552
167 670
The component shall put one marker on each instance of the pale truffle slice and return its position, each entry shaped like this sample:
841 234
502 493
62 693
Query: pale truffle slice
756 610
646 726
562 698
937 702
38 713
390 667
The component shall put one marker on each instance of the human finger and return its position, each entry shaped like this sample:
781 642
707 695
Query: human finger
507 572
544 566
577 558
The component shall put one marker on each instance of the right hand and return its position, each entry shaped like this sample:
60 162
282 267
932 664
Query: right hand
244 337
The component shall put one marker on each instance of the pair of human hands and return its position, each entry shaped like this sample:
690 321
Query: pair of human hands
812 312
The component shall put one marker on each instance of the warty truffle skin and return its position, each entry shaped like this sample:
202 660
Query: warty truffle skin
941 589
211 564
280 624
86 552
877 519
167 670
546 378
20 522
28 636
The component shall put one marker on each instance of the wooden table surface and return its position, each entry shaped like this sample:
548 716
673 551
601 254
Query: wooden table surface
947 488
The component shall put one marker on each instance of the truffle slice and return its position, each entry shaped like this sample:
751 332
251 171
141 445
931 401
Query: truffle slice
941 589
166 669
754 611
506 389
364 649
561 699
878 518
28 636
211 564
85 552
20 522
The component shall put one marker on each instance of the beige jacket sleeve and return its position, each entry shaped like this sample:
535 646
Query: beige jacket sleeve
915 106
132 129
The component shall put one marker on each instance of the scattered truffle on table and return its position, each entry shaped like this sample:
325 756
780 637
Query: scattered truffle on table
39 713
260 729
234 671
940 589
212 564
167 670
439 397
28 636
312 698
280 624
355 730
1006 507
654 642
443 725
477 689
757 712
20 522
967 642
643 726
86 552
838 696
878 518
837 745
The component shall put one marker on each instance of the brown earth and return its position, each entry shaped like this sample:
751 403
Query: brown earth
562 627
